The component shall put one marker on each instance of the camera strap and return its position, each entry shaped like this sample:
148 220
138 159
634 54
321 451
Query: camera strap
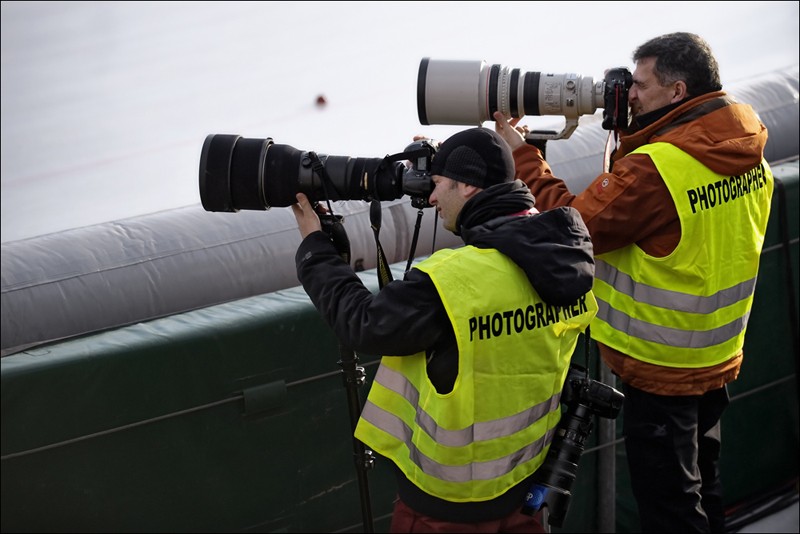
612 141
384 273
331 224
587 354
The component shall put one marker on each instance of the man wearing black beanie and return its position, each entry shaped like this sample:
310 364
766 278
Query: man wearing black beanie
477 341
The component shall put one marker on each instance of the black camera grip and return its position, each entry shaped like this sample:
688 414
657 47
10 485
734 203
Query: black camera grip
333 226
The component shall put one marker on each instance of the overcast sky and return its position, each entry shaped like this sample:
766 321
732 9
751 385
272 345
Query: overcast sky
105 105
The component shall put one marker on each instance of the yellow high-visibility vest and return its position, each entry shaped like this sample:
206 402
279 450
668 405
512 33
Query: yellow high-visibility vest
688 309
495 427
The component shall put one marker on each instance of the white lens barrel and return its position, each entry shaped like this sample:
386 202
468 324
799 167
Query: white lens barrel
468 92
452 92
570 95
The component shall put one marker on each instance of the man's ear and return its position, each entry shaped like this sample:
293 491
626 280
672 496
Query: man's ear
468 190
680 92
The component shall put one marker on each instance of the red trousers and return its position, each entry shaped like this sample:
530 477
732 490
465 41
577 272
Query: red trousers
404 519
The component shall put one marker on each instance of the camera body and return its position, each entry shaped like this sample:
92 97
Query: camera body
616 84
238 173
417 180
469 92
583 398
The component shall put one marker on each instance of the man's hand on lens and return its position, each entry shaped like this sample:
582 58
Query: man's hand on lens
514 135
307 218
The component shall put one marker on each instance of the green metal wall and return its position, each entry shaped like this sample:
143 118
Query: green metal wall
235 418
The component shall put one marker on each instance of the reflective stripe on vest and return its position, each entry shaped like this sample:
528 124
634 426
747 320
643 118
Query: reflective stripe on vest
493 430
689 309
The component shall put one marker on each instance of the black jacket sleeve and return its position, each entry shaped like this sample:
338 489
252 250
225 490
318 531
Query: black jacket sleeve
404 317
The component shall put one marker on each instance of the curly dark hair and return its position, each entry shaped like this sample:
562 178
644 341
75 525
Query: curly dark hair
682 56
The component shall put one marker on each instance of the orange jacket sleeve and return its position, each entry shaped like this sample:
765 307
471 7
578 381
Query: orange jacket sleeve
630 205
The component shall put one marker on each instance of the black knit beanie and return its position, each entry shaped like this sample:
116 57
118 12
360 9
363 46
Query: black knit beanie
477 156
